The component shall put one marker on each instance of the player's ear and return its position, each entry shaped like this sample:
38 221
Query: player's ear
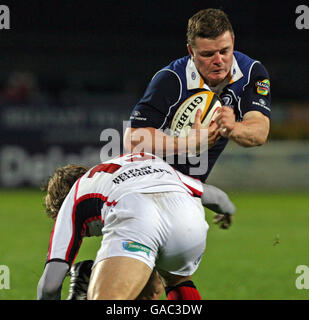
190 50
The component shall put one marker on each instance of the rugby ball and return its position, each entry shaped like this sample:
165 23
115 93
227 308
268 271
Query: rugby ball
184 117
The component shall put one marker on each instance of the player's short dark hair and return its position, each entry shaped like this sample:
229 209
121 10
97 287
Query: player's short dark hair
59 185
208 23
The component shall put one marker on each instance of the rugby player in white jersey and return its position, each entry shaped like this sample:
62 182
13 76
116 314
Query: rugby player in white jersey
152 220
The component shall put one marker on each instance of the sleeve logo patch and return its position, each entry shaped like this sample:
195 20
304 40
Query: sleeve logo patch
135 246
263 87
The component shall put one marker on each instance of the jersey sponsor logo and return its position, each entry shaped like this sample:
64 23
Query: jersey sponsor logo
227 100
138 172
261 104
135 247
137 116
262 87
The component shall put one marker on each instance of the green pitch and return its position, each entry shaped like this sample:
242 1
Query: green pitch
255 259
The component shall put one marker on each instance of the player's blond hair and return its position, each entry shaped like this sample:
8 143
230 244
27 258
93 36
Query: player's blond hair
208 23
59 185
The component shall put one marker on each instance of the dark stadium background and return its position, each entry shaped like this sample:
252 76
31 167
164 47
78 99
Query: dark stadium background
86 63
70 69
108 45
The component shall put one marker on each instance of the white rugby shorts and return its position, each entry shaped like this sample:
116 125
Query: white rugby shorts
167 230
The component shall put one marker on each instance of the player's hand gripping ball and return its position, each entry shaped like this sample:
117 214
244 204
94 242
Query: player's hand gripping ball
198 112
208 102
226 121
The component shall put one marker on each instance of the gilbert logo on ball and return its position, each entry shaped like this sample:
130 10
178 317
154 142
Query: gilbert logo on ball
4 17
184 117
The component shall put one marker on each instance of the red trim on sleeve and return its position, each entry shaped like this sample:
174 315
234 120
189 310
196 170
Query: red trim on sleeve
73 218
73 221
76 202
73 235
51 242
195 191
76 189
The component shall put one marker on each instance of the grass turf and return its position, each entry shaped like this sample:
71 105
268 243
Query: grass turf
255 259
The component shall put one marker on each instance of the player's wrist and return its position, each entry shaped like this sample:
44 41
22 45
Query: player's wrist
195 144
234 132
181 145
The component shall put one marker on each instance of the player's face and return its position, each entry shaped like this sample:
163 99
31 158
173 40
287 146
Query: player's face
213 58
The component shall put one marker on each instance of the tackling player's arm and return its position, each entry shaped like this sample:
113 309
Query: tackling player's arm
65 240
57 266
62 252
50 284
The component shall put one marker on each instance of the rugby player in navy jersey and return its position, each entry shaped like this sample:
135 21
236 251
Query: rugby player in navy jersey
241 82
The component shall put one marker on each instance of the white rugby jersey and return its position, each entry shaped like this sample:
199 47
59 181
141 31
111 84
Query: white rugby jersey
82 212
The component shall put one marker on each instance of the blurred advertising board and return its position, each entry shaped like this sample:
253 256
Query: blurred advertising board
34 140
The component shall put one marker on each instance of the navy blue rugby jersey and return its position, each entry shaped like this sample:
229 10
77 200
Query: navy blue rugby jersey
247 88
